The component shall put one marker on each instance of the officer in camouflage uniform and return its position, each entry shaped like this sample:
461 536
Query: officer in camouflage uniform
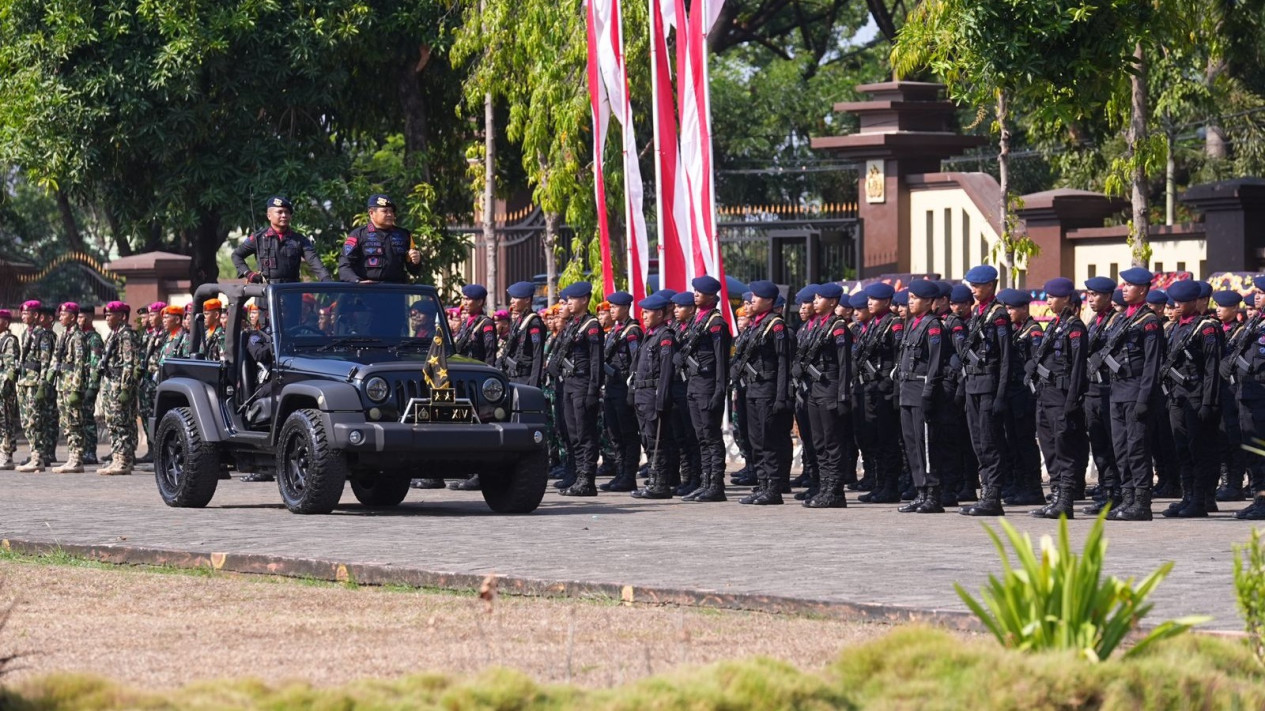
176 345
37 356
96 348
153 338
69 377
10 365
213 344
121 370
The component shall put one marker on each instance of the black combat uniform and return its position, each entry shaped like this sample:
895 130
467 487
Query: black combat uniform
920 371
1098 415
278 255
1132 356
746 475
1247 368
827 364
1059 377
618 414
705 346
985 348
373 254
582 386
477 339
687 476
810 471
652 398
877 419
1189 379
949 436
1024 477
524 358
767 374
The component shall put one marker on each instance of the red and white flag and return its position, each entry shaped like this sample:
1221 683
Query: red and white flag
606 44
599 101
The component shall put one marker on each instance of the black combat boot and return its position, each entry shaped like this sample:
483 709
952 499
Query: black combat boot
471 484
1198 506
931 503
1112 498
1062 505
1177 506
744 477
988 505
761 484
920 496
569 476
584 486
886 491
1254 511
948 496
715 488
829 495
625 481
770 496
705 481
866 483
1053 497
1126 503
1141 509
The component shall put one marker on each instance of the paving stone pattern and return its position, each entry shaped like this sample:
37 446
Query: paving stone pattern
865 554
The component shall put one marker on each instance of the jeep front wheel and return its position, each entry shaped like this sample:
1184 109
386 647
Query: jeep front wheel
186 467
517 487
310 472
381 491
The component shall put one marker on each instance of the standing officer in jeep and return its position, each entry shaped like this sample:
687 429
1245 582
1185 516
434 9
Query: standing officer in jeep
379 251
278 250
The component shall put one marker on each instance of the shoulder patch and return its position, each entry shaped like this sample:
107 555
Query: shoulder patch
633 336
665 342
778 328
933 331
594 330
1209 331
1150 326
898 327
488 328
715 329
1074 334
1001 322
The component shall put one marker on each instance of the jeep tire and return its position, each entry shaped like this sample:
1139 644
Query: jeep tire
186 467
518 487
381 491
310 472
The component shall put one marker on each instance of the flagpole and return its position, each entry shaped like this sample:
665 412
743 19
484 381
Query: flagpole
659 203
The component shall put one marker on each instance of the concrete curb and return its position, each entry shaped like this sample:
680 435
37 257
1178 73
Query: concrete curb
379 574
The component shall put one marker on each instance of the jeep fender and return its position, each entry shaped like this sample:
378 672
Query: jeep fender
323 395
198 397
527 404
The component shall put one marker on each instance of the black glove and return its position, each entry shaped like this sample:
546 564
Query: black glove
844 408
591 402
717 401
1072 412
1140 411
928 407
1205 414
1030 368
781 407
959 398
1000 406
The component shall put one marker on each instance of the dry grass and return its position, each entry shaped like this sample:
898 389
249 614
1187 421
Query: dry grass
160 630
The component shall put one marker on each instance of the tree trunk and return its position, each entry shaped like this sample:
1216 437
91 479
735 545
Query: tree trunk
1170 178
121 243
489 199
413 104
73 237
1137 135
1003 181
204 242
552 220
1214 135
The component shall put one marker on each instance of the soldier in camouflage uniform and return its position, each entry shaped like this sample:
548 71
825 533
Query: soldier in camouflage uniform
176 345
10 365
69 378
36 357
153 339
121 369
213 344
96 349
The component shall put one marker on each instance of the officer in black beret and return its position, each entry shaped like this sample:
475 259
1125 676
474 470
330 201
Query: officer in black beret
523 358
477 336
379 251
580 370
705 343
652 395
766 370
278 250
619 419
1058 376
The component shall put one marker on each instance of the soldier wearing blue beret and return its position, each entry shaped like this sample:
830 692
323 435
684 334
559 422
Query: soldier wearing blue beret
619 418
704 343
381 250
985 348
876 417
523 358
764 369
920 367
1098 293
278 250
1133 355
652 378
1244 368
808 452
958 471
579 373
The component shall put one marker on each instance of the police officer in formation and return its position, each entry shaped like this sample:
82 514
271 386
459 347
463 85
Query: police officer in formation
619 414
652 376
579 370
523 358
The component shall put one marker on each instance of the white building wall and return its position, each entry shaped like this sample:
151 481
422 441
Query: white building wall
942 218
1100 258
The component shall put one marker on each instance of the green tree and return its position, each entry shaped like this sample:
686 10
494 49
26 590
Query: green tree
1053 59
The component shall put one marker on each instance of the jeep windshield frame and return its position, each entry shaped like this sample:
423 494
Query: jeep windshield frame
332 316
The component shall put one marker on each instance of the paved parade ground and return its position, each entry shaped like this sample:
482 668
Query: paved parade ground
866 560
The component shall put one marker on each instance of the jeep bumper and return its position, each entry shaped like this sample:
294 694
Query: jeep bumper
497 439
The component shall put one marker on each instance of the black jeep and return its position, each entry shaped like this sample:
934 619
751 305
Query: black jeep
347 382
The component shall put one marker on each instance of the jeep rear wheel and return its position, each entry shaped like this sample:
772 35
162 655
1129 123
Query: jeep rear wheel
186 467
517 487
382 491
310 472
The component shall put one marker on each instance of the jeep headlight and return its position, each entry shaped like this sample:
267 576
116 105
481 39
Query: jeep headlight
377 389
493 390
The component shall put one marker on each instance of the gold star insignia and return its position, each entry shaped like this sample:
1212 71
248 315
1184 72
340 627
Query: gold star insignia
433 360
443 373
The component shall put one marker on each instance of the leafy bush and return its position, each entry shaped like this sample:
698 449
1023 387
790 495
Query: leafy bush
1061 600
1249 586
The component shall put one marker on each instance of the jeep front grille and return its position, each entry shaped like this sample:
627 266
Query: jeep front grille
408 388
